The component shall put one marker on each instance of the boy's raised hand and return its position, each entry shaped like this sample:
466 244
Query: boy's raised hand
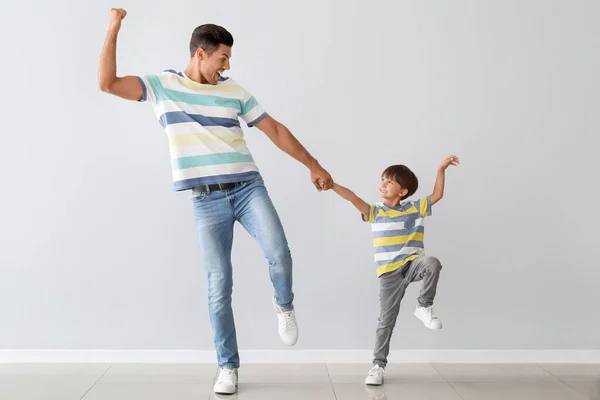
450 160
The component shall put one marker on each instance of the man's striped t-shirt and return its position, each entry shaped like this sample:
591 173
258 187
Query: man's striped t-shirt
398 233
206 140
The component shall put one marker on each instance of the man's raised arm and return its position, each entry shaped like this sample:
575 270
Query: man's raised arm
127 87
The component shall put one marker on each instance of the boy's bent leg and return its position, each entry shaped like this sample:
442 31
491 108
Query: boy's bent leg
257 214
214 225
427 269
392 288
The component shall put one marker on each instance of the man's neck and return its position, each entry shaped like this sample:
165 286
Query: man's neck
193 73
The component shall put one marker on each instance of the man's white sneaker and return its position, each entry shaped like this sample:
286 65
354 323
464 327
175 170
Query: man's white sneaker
227 382
287 326
428 317
375 376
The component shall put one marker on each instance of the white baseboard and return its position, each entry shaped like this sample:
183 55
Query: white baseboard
300 356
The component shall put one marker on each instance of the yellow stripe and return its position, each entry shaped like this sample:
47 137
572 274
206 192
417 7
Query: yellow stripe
221 87
390 241
423 203
369 217
394 213
204 138
394 266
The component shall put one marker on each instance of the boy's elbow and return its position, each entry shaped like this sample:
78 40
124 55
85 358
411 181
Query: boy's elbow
356 201
435 197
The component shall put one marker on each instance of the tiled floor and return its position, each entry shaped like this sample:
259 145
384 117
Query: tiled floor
300 382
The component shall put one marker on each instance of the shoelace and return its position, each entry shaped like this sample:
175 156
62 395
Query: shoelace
288 320
376 369
226 373
429 312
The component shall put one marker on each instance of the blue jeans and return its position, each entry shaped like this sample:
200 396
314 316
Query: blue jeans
215 213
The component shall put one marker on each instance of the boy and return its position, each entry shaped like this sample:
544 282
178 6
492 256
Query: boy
399 252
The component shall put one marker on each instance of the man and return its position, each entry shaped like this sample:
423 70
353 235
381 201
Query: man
199 110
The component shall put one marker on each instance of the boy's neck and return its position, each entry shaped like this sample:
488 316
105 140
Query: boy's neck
391 203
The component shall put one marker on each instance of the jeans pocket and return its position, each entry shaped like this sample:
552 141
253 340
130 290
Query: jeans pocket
253 181
200 196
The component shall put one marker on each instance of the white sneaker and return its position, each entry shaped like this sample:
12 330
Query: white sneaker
227 382
428 317
376 375
287 326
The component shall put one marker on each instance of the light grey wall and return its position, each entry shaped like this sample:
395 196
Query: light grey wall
98 252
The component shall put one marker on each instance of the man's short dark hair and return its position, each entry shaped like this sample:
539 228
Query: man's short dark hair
404 177
209 37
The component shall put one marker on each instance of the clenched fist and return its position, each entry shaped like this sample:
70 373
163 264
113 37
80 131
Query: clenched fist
116 16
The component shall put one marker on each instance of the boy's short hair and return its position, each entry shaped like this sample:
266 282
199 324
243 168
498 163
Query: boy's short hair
404 177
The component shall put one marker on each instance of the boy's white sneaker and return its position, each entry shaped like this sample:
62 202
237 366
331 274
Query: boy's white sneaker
428 317
375 376
227 382
286 324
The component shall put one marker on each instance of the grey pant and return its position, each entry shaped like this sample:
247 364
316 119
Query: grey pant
392 287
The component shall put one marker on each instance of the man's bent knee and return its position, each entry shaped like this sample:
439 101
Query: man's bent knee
281 260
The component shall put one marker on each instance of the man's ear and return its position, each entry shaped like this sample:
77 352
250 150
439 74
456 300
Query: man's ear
200 54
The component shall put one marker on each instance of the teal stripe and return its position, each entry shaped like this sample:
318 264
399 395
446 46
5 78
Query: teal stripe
210 159
163 94
249 105
156 86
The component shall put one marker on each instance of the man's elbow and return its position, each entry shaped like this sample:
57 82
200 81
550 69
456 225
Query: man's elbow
275 133
280 129
104 87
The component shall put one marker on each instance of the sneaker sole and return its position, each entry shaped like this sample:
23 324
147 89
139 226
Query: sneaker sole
433 329
227 393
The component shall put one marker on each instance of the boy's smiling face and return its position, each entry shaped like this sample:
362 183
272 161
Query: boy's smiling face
391 191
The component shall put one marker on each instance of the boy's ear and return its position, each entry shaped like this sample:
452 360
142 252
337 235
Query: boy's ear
403 193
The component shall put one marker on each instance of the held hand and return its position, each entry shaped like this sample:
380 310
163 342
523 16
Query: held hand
116 16
321 186
321 178
450 160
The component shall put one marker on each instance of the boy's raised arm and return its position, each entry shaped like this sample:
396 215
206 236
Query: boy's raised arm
440 182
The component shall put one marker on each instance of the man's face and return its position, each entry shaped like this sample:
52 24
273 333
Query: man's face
214 65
